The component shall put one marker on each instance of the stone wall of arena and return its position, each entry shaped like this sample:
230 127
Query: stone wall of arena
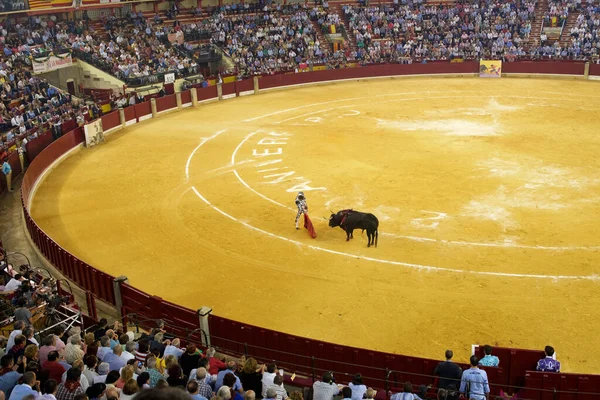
307 357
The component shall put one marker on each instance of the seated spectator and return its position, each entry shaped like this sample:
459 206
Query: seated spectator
79 365
71 387
129 390
126 374
474 382
8 374
22 312
231 368
50 388
192 389
267 377
104 347
489 360
200 376
18 330
151 369
102 328
406 394
53 367
96 392
73 350
173 349
30 386
548 363
89 370
176 378
448 372
215 364
143 380
102 370
114 359
142 351
358 388
325 389
278 387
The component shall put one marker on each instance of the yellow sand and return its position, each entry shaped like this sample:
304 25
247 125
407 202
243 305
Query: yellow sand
488 180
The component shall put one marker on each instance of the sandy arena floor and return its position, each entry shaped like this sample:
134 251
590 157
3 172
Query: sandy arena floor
487 193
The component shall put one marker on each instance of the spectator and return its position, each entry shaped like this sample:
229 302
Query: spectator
129 390
104 347
162 394
18 350
73 349
127 373
267 377
406 394
60 345
8 374
176 378
127 354
29 386
103 369
79 365
251 395
143 380
489 360
448 372
71 387
18 325
251 375
189 359
548 363
326 388
114 359
112 393
173 349
89 371
22 313
50 389
143 350
278 387
474 382
28 332
54 369
271 394
154 373
199 375
346 393
358 388
48 345
215 364
192 388
96 392
102 328
231 368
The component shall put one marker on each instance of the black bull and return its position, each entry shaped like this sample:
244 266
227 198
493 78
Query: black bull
349 220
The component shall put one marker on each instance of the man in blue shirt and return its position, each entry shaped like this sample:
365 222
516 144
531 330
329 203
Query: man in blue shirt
474 383
7 171
29 386
9 379
192 388
231 367
114 358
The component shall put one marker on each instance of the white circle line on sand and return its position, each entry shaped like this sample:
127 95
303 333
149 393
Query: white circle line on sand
407 237
378 260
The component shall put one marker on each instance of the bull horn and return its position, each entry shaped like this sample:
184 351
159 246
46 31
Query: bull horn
332 211
325 218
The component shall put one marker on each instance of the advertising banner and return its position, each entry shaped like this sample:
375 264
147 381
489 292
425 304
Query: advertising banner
490 68
51 63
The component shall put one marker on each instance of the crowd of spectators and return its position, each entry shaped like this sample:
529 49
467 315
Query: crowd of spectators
441 32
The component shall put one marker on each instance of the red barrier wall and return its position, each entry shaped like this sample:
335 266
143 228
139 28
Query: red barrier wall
595 69
166 103
229 88
129 113
245 85
544 67
111 120
186 97
291 352
206 93
143 109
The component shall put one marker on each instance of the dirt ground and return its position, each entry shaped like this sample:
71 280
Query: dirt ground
487 193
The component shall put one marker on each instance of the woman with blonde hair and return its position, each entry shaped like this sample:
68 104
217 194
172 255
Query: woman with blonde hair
129 390
251 375
126 375
170 361
32 353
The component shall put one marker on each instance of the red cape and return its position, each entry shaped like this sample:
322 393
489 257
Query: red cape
309 226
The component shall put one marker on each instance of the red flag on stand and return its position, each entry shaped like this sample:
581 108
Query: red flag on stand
309 226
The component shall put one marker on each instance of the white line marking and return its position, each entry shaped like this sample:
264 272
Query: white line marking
314 112
244 182
204 140
404 264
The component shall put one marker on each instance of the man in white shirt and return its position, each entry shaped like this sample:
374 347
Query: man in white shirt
128 352
18 325
173 349
50 388
268 377
325 389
